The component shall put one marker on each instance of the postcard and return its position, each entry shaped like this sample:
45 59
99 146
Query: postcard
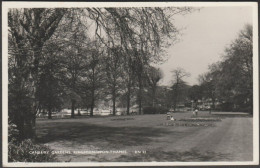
130 84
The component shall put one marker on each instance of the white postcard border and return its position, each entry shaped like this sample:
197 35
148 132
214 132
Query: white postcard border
7 5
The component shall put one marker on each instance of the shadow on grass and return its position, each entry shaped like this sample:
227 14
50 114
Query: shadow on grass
232 116
80 133
205 114
174 156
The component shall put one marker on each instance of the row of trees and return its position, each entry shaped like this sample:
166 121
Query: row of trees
229 81
59 55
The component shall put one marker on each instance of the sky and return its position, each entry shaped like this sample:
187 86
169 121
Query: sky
205 34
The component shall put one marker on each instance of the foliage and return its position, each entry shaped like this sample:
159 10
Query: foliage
154 75
114 75
142 33
195 92
13 132
94 77
56 53
231 80
29 29
50 88
179 87
19 151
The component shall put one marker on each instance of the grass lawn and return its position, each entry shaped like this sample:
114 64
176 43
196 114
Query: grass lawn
149 138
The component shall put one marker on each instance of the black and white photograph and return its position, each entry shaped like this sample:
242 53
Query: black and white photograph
129 83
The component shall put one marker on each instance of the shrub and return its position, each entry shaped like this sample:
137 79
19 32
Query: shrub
22 151
13 132
226 106
155 110
244 108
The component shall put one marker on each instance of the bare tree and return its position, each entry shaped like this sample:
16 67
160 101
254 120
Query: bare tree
94 76
142 33
113 64
73 51
154 75
178 75
129 78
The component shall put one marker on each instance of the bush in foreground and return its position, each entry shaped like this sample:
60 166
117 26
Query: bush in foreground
21 151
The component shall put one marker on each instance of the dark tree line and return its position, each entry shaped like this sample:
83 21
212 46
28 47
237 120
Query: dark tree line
228 82
231 80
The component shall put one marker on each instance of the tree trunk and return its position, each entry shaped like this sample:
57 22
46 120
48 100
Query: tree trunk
128 96
37 35
128 103
34 126
140 105
140 95
174 105
29 127
92 106
30 120
213 103
91 110
114 107
49 113
176 97
79 114
92 92
72 108
20 126
114 104
153 97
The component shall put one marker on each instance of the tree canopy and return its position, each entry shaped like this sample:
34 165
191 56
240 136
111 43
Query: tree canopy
86 45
